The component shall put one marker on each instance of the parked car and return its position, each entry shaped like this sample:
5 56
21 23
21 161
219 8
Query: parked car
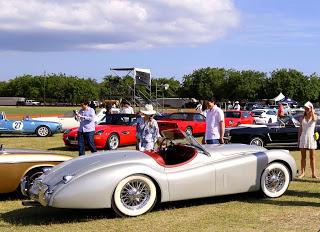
283 132
118 130
28 126
69 121
32 103
264 116
235 118
192 123
24 163
252 105
132 182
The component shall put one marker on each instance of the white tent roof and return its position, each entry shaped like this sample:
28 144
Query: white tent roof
279 97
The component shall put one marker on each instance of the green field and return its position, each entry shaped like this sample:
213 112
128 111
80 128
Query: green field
297 210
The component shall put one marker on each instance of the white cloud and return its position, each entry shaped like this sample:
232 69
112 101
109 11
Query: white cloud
36 25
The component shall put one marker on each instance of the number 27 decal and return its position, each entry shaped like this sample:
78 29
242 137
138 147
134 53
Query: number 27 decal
17 125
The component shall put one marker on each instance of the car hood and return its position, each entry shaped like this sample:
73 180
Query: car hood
226 150
88 163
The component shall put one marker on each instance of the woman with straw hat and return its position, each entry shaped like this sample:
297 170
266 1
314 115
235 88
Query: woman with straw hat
148 131
306 139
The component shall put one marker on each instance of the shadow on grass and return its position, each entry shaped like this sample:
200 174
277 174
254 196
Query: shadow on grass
11 196
47 216
303 194
307 180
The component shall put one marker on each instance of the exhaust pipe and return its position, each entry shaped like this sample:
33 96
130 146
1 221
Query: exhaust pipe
30 203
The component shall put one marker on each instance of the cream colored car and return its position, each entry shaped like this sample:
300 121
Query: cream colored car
16 164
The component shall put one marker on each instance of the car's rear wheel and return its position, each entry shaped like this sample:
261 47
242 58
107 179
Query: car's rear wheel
270 120
257 141
113 141
275 180
134 196
43 131
189 130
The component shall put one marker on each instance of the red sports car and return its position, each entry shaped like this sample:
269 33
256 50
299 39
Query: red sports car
234 118
193 123
117 130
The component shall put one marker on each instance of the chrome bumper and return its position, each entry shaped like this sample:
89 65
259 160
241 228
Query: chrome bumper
37 194
23 186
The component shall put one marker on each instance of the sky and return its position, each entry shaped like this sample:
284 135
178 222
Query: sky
171 37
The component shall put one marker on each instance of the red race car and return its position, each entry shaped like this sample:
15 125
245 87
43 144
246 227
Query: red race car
117 130
235 118
192 123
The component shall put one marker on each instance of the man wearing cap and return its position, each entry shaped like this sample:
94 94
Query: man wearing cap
86 115
148 130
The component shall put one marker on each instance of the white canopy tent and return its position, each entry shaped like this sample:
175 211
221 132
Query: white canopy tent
278 98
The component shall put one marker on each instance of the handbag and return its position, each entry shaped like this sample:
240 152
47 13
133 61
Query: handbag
316 135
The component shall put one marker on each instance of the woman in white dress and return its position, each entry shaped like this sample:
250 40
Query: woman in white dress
306 139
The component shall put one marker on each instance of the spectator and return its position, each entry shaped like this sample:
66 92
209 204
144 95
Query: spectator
280 112
108 112
86 115
229 106
140 121
148 131
306 139
93 106
237 106
214 123
199 108
126 108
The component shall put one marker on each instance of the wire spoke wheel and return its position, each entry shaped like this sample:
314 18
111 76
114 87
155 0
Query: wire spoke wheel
134 196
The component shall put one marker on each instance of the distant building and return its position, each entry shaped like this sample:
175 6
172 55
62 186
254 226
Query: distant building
12 101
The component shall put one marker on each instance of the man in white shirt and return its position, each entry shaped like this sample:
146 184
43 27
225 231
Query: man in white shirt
214 123
126 109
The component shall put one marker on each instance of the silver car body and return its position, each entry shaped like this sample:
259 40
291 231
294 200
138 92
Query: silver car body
90 181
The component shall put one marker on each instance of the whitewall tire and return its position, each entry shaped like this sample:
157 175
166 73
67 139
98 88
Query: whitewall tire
275 180
134 196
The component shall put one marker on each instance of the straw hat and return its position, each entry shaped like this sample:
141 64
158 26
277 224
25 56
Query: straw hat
148 110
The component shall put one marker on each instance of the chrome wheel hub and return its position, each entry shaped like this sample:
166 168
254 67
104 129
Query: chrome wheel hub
135 194
275 180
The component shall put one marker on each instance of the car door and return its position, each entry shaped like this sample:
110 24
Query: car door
245 118
284 134
127 130
199 123
11 126
191 180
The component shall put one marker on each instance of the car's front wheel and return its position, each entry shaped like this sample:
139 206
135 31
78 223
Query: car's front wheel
43 131
257 141
275 180
113 142
134 196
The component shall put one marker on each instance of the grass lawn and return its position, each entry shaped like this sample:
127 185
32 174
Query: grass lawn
297 210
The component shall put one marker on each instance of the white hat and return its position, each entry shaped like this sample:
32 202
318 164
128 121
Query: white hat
148 110
308 105
236 102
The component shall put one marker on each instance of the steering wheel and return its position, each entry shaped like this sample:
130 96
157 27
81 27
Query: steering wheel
166 142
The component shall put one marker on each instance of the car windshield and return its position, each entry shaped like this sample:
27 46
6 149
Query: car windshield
257 113
232 114
179 137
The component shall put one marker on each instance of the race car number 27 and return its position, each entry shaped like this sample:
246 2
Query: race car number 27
17 125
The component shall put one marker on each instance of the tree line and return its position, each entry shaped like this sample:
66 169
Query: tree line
224 84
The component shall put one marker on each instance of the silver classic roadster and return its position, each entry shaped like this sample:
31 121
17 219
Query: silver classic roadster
132 182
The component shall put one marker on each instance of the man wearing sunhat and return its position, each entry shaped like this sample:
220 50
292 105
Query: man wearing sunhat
236 106
148 131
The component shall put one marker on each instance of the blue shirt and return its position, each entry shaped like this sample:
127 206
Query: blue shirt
87 123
